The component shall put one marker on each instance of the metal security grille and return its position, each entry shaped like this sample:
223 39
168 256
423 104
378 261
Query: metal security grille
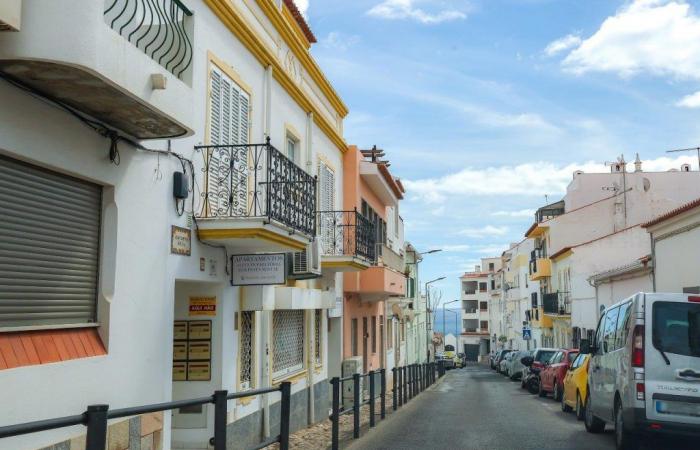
317 335
287 341
49 245
245 359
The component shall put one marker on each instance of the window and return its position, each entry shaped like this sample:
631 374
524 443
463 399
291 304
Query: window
676 328
228 125
318 323
623 320
484 306
577 361
331 236
571 356
353 337
379 223
373 332
287 341
493 285
484 325
245 349
292 144
483 287
609 330
49 240
491 267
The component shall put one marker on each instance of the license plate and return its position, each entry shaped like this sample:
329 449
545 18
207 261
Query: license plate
678 408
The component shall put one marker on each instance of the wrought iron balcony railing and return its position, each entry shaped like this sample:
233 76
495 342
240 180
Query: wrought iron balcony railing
159 28
257 181
556 303
346 233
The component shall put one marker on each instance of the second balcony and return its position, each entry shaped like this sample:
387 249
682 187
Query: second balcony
347 241
255 199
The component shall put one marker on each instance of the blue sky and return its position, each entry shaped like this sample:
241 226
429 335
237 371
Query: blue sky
484 107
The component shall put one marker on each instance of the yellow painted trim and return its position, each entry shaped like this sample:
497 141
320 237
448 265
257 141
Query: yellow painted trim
296 29
294 378
538 231
232 19
230 72
254 233
564 255
352 264
276 17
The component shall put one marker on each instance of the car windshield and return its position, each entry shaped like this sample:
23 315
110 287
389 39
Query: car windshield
676 328
544 356
572 356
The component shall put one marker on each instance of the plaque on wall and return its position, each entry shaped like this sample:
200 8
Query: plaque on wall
200 329
199 350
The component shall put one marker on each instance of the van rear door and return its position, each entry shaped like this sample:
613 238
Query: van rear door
672 358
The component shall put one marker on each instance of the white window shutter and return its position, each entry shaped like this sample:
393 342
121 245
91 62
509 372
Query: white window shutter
214 168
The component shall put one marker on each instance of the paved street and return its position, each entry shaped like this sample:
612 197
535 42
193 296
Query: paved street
475 408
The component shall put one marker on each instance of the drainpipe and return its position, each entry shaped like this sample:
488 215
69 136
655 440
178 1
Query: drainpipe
266 375
653 257
309 134
267 113
310 338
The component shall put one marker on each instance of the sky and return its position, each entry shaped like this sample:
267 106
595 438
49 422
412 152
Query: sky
486 107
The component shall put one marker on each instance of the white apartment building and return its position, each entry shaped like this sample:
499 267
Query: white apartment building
152 163
477 289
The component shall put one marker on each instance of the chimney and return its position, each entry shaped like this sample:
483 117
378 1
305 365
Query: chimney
637 164
685 168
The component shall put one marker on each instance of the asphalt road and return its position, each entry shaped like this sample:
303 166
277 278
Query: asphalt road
476 408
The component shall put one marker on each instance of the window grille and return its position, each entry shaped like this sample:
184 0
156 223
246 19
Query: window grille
288 342
245 359
373 333
317 335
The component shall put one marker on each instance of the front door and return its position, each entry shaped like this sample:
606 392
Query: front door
364 345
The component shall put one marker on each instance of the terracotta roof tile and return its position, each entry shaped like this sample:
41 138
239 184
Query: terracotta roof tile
674 212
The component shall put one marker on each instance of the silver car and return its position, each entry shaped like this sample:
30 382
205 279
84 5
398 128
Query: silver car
644 373
514 366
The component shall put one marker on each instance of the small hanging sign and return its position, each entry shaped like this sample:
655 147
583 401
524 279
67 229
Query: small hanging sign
180 241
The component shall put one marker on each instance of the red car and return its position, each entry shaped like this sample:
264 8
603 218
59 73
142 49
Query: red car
552 376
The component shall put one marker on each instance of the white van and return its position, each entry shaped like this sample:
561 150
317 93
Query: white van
644 374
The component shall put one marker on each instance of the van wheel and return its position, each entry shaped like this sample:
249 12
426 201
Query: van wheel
624 440
593 424
580 409
564 407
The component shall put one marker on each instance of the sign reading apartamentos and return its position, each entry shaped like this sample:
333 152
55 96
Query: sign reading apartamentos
257 270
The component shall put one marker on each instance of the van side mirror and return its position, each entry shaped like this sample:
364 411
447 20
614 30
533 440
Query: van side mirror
527 361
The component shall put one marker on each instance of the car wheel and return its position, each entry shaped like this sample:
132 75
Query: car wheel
564 407
624 440
555 392
540 391
593 424
580 409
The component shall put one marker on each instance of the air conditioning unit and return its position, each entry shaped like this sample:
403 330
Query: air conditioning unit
306 264
351 366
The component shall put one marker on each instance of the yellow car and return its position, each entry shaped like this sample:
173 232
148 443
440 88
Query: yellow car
575 386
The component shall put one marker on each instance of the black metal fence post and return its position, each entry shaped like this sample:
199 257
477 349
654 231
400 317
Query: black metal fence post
399 391
335 413
382 402
356 405
220 420
394 394
96 422
285 412
416 380
370 377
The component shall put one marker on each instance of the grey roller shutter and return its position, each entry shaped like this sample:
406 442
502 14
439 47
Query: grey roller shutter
49 246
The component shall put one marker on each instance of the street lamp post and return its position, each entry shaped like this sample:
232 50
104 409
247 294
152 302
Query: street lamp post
429 316
457 314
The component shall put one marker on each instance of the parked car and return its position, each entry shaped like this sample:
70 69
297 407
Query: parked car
460 360
505 362
531 374
514 369
644 372
500 357
552 376
575 386
448 363
450 356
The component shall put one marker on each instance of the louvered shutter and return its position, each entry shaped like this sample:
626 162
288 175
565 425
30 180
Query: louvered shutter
332 229
49 246
228 166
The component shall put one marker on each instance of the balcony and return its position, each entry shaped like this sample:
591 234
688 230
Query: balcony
347 241
390 258
556 304
540 268
101 57
255 199
470 307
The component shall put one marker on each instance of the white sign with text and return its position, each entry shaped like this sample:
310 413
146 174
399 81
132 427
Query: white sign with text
258 270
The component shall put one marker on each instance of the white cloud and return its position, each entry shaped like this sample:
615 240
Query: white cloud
562 44
661 37
407 9
493 250
303 6
690 101
519 213
530 179
339 41
456 248
488 230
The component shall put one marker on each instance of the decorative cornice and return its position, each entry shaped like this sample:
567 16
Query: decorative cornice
232 19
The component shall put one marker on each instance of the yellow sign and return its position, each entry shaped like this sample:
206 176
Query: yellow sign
199 371
180 371
202 306
200 329
180 330
199 350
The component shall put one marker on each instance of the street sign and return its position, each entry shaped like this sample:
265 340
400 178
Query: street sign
527 334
